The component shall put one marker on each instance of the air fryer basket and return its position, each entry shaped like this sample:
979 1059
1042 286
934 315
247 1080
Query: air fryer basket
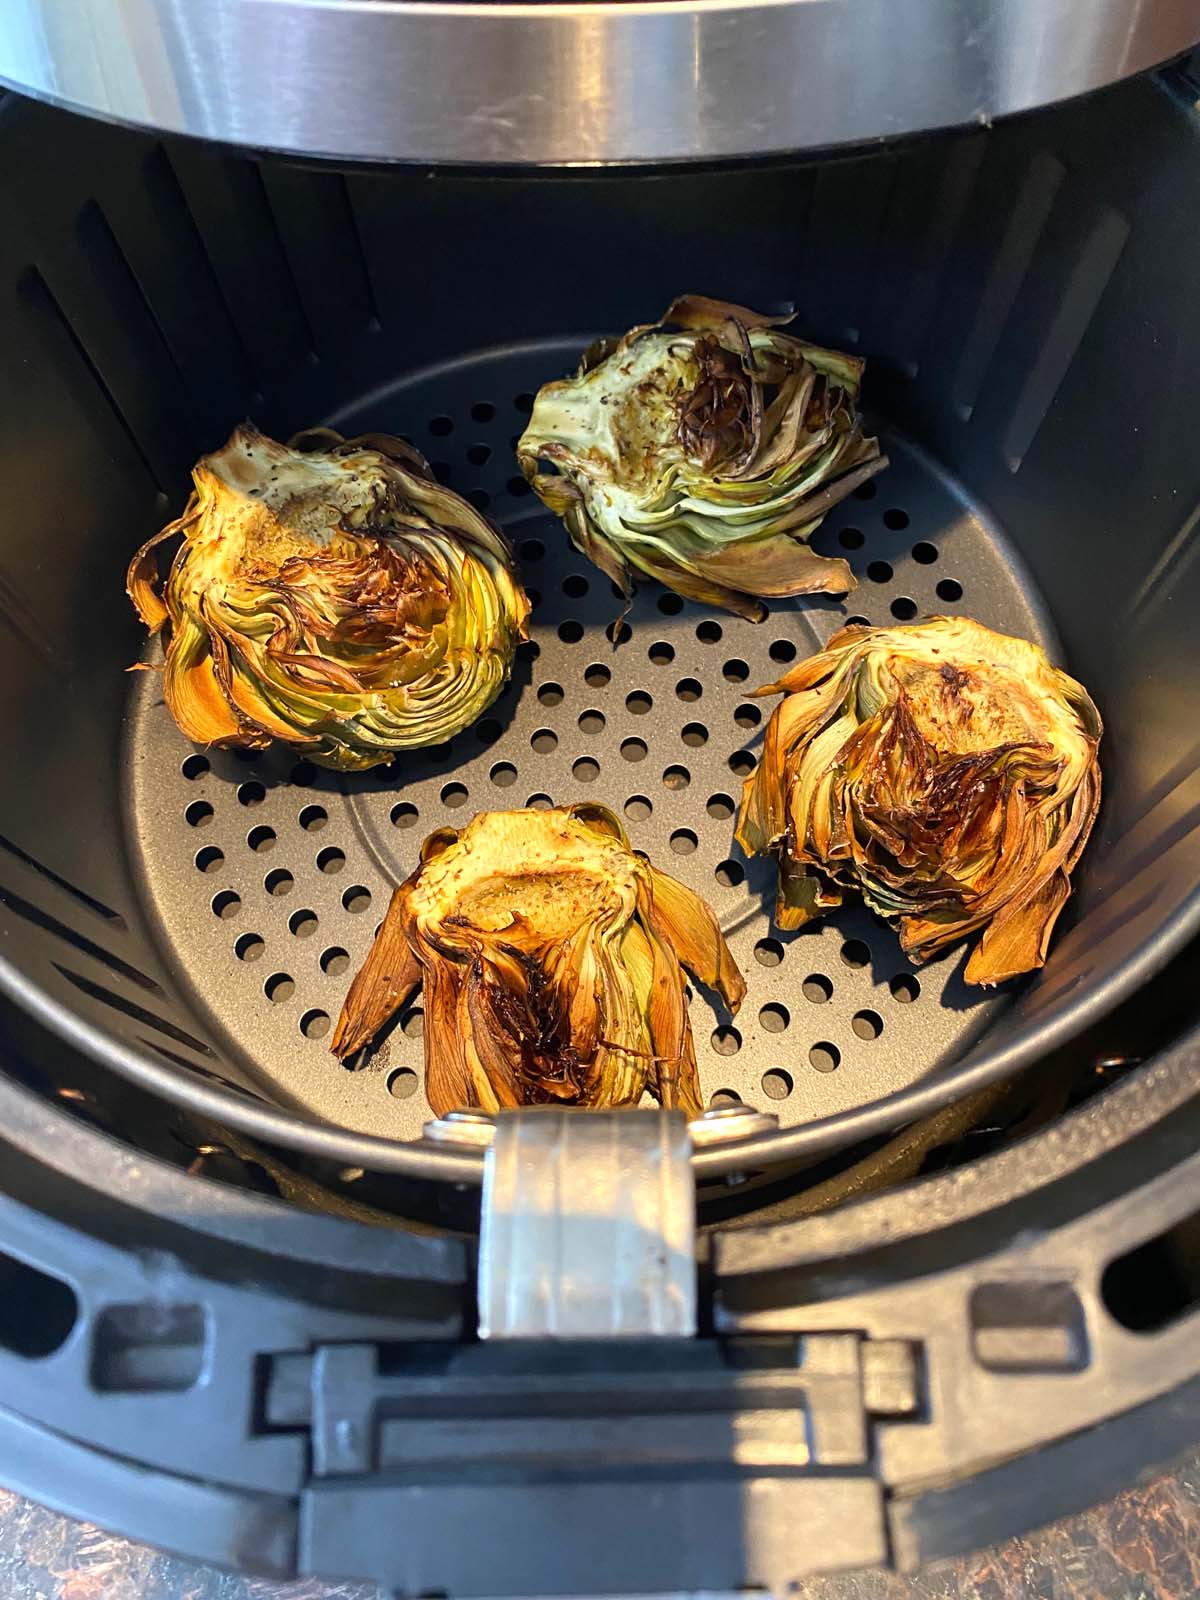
192 919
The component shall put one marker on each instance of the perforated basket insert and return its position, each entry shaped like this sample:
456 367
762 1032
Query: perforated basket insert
1012 294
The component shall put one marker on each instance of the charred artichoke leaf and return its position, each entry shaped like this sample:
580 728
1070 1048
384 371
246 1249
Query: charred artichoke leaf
553 961
948 772
332 594
703 450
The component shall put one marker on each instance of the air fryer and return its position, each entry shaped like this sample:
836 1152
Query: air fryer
946 1242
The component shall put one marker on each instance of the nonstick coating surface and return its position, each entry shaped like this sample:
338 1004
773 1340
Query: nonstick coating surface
267 877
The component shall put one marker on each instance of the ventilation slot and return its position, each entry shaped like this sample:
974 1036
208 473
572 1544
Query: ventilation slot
37 1312
129 1008
52 322
148 1349
1083 292
1153 1286
79 895
43 919
1007 275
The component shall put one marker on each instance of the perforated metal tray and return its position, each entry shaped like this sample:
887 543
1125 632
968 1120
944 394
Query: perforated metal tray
266 877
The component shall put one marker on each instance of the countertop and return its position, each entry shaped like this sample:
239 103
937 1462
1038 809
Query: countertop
1144 1545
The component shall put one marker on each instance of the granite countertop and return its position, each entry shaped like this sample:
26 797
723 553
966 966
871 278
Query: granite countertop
1144 1545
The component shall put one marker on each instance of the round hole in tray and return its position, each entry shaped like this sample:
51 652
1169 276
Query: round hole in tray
331 860
676 778
867 1024
768 952
314 818
720 807
825 1057
905 988
856 953
597 676
402 1084
303 924
194 766
638 808
638 702
592 721
777 1084
209 859
735 671
774 1018
726 1040
817 988
662 653
729 874
315 1024
334 961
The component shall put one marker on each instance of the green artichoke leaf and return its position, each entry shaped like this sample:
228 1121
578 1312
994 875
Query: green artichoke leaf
684 449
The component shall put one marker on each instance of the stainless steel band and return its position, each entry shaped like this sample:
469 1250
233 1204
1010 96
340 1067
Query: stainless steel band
565 84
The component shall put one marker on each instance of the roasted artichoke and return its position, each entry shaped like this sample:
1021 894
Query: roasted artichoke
332 594
552 958
703 450
948 772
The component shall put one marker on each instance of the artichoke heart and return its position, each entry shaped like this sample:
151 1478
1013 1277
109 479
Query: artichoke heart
332 594
552 959
704 450
948 772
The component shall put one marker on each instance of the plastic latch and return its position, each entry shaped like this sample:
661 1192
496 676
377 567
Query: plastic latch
588 1227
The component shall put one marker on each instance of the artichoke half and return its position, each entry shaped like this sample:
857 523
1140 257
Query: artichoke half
703 450
332 594
552 960
948 772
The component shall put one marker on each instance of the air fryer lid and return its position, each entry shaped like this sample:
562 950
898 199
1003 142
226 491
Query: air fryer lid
193 920
529 83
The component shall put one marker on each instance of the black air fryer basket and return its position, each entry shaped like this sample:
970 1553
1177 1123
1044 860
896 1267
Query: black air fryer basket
239 1309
